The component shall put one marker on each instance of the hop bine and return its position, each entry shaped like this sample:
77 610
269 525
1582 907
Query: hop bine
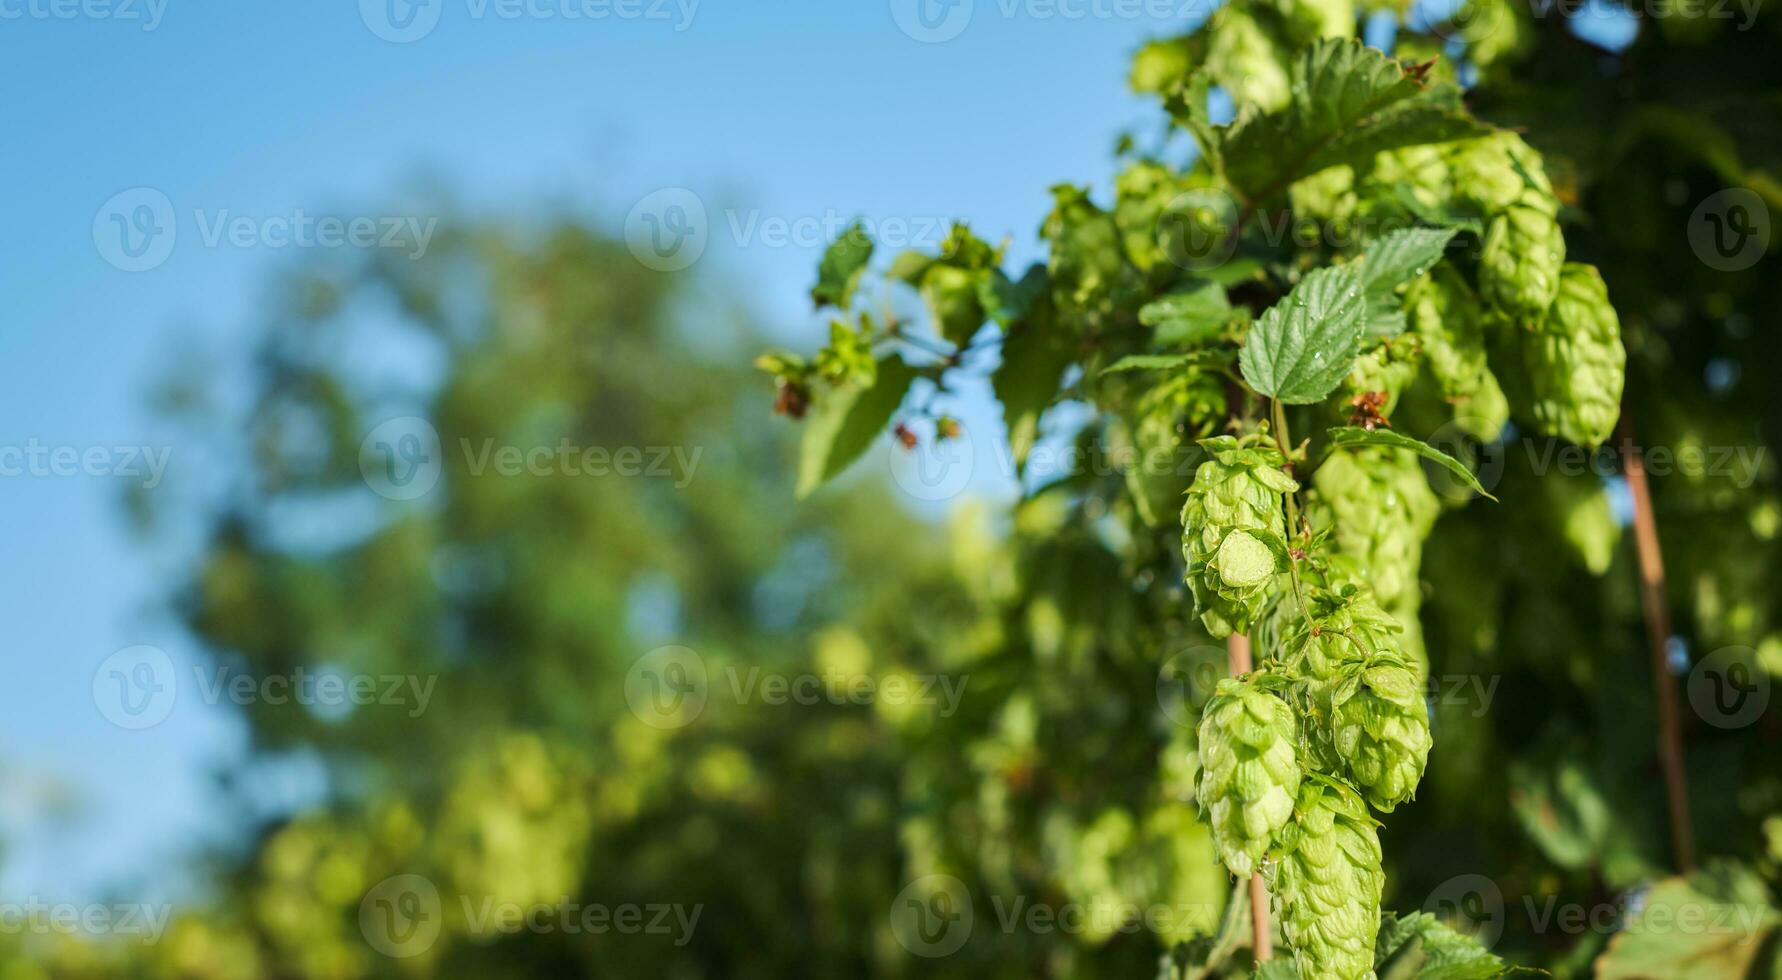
1234 532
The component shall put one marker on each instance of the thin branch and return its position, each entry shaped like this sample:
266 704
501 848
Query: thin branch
1237 651
1658 636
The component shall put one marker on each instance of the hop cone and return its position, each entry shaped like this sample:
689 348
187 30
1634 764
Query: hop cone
1575 361
1380 508
1362 711
1443 313
1328 881
1493 172
1249 773
1519 263
1231 524
1377 730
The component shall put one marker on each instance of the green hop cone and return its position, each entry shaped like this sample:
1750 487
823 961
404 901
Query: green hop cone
1380 509
1327 879
1493 172
1575 361
1249 770
1444 315
1249 57
1520 261
1377 730
1232 531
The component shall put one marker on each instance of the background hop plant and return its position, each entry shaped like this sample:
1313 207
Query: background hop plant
1380 509
1232 528
1575 361
1184 406
1327 879
1250 770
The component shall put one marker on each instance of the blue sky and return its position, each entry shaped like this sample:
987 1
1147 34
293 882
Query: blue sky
788 115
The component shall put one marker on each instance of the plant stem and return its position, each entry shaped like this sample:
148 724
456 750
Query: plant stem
1658 636
1237 652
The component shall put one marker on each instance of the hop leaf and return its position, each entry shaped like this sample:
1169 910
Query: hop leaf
1249 772
1327 879
1233 532
1576 362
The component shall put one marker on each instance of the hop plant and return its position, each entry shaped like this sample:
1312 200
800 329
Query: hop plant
1249 770
1575 361
1233 530
1380 508
1326 875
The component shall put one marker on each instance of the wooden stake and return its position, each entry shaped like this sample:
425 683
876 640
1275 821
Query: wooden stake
1658 636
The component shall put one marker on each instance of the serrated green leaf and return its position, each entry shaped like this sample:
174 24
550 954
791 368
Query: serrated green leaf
842 266
1712 924
1349 102
1421 947
1304 346
1354 437
1194 314
845 421
1401 256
